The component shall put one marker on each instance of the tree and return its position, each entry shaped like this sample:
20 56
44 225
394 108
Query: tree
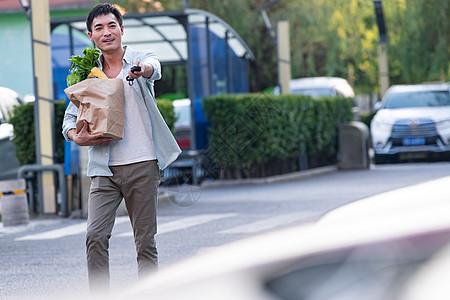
328 38
419 36
336 37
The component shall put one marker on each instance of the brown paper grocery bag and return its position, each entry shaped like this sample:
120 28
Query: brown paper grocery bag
100 103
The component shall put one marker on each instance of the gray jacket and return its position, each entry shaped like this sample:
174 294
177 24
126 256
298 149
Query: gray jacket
166 147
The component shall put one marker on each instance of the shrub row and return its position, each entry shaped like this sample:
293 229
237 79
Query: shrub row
23 122
24 135
255 135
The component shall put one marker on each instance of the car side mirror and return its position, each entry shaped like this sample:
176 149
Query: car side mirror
377 105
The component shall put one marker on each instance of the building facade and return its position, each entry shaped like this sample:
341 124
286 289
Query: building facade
16 68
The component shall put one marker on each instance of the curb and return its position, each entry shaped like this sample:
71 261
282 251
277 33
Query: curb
271 179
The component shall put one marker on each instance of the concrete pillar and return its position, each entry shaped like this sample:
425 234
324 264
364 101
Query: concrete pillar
284 56
43 111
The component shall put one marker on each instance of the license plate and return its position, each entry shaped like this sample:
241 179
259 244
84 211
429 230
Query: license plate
413 155
414 141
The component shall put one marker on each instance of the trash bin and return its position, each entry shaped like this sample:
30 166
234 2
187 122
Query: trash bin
13 202
354 143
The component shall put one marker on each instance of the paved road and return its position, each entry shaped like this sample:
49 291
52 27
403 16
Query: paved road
46 258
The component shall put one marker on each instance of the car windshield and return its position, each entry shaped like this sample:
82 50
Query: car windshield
315 93
418 99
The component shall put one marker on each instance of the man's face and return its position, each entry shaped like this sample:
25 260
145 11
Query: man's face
106 33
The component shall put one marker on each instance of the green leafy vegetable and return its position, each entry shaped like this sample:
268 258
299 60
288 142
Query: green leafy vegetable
82 65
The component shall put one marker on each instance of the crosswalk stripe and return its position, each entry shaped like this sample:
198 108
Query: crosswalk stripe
179 224
266 224
62 232
185 223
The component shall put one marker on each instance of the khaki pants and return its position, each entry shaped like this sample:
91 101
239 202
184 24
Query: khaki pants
138 185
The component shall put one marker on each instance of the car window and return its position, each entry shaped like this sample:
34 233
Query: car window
418 99
315 93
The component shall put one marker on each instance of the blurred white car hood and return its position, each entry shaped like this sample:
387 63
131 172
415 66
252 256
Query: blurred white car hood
234 271
436 114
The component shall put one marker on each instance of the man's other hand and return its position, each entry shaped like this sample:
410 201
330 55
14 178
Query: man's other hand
84 138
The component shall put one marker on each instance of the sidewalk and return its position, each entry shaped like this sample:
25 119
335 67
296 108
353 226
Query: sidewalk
34 224
271 179
53 221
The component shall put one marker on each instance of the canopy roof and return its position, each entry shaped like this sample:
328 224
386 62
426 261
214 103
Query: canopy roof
167 33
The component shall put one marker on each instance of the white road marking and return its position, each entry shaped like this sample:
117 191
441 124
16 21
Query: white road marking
172 226
62 232
185 223
266 224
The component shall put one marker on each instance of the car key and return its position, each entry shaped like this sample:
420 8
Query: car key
133 69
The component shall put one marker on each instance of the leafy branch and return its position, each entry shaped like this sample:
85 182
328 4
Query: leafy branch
82 65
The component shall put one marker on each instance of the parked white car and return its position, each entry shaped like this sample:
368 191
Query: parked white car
319 87
413 122
8 99
8 162
182 108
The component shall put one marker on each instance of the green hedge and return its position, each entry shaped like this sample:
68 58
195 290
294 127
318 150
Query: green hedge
255 135
23 122
24 140
168 113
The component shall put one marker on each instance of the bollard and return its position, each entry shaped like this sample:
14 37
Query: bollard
354 146
13 200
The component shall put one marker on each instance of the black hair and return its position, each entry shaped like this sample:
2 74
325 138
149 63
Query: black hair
103 9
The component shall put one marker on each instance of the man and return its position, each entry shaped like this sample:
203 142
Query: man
128 168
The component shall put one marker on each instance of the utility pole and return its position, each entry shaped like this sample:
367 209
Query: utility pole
281 40
37 12
383 69
283 56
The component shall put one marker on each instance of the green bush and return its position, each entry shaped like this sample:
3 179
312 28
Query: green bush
23 122
254 135
168 113
24 135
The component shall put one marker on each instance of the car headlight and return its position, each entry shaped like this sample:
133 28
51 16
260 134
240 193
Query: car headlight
443 125
380 124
